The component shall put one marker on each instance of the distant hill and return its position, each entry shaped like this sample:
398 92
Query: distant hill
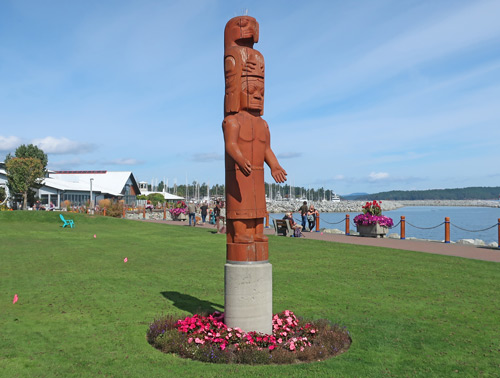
471 193
354 196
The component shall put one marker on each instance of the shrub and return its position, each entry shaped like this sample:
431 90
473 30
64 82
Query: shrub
156 198
67 205
115 209
105 203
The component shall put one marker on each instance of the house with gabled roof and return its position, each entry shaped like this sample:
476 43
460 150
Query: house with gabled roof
76 187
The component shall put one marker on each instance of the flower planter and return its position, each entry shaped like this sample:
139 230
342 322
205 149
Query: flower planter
373 230
181 217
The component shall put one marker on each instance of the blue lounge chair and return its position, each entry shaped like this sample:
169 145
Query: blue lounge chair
67 222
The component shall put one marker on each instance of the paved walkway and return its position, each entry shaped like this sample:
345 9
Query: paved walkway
460 250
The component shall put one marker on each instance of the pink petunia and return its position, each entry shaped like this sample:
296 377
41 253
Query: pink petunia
292 346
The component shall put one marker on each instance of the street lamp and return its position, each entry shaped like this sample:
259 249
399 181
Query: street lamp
91 201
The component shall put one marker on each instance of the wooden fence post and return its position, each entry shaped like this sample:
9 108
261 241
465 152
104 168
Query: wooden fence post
347 224
403 227
447 229
317 222
498 232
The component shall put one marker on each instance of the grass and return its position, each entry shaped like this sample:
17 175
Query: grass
83 312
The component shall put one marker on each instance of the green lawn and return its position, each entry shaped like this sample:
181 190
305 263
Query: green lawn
82 311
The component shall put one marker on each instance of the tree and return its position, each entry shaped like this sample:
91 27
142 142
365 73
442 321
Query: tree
30 151
3 194
22 174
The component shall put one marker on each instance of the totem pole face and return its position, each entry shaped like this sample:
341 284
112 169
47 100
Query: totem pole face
242 30
252 94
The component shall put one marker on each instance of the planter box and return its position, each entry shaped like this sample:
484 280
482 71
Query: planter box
374 230
180 217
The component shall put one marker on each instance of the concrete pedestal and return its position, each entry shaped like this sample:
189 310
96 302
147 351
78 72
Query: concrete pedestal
248 296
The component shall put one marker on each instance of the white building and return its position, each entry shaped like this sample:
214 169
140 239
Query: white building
76 186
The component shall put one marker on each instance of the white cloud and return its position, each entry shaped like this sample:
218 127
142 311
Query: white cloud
123 161
9 144
289 155
376 176
51 145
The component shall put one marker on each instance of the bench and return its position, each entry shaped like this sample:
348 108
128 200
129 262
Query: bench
282 227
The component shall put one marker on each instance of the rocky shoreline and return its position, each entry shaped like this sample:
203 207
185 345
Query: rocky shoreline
355 206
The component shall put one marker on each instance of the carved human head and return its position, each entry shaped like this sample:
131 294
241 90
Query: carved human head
252 94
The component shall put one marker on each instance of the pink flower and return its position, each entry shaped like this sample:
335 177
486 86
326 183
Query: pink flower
292 346
271 347
280 340
199 341
95 236
223 346
15 299
190 340
125 260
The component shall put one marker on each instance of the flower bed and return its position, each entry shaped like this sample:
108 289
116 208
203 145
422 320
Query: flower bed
208 339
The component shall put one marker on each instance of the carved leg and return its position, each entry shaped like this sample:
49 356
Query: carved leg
243 232
259 231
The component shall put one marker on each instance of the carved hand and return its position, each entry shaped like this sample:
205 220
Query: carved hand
279 174
246 168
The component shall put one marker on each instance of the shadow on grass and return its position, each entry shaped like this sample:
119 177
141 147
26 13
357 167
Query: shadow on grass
191 304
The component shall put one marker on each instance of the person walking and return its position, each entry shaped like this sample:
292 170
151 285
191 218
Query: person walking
192 213
204 211
217 215
303 213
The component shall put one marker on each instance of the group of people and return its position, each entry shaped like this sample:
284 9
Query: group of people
308 215
213 213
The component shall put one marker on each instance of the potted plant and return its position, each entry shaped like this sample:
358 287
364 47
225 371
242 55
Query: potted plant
179 211
372 222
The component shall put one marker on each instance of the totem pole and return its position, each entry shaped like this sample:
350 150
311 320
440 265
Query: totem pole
248 274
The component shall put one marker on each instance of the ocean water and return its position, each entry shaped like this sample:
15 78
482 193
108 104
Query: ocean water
421 220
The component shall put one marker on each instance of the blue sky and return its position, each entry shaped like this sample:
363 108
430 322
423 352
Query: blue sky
361 96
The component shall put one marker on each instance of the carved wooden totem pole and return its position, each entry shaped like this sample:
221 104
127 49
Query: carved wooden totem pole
248 274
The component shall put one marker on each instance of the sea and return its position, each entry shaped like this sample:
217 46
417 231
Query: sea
427 222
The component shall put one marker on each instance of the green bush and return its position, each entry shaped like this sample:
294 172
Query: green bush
156 198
